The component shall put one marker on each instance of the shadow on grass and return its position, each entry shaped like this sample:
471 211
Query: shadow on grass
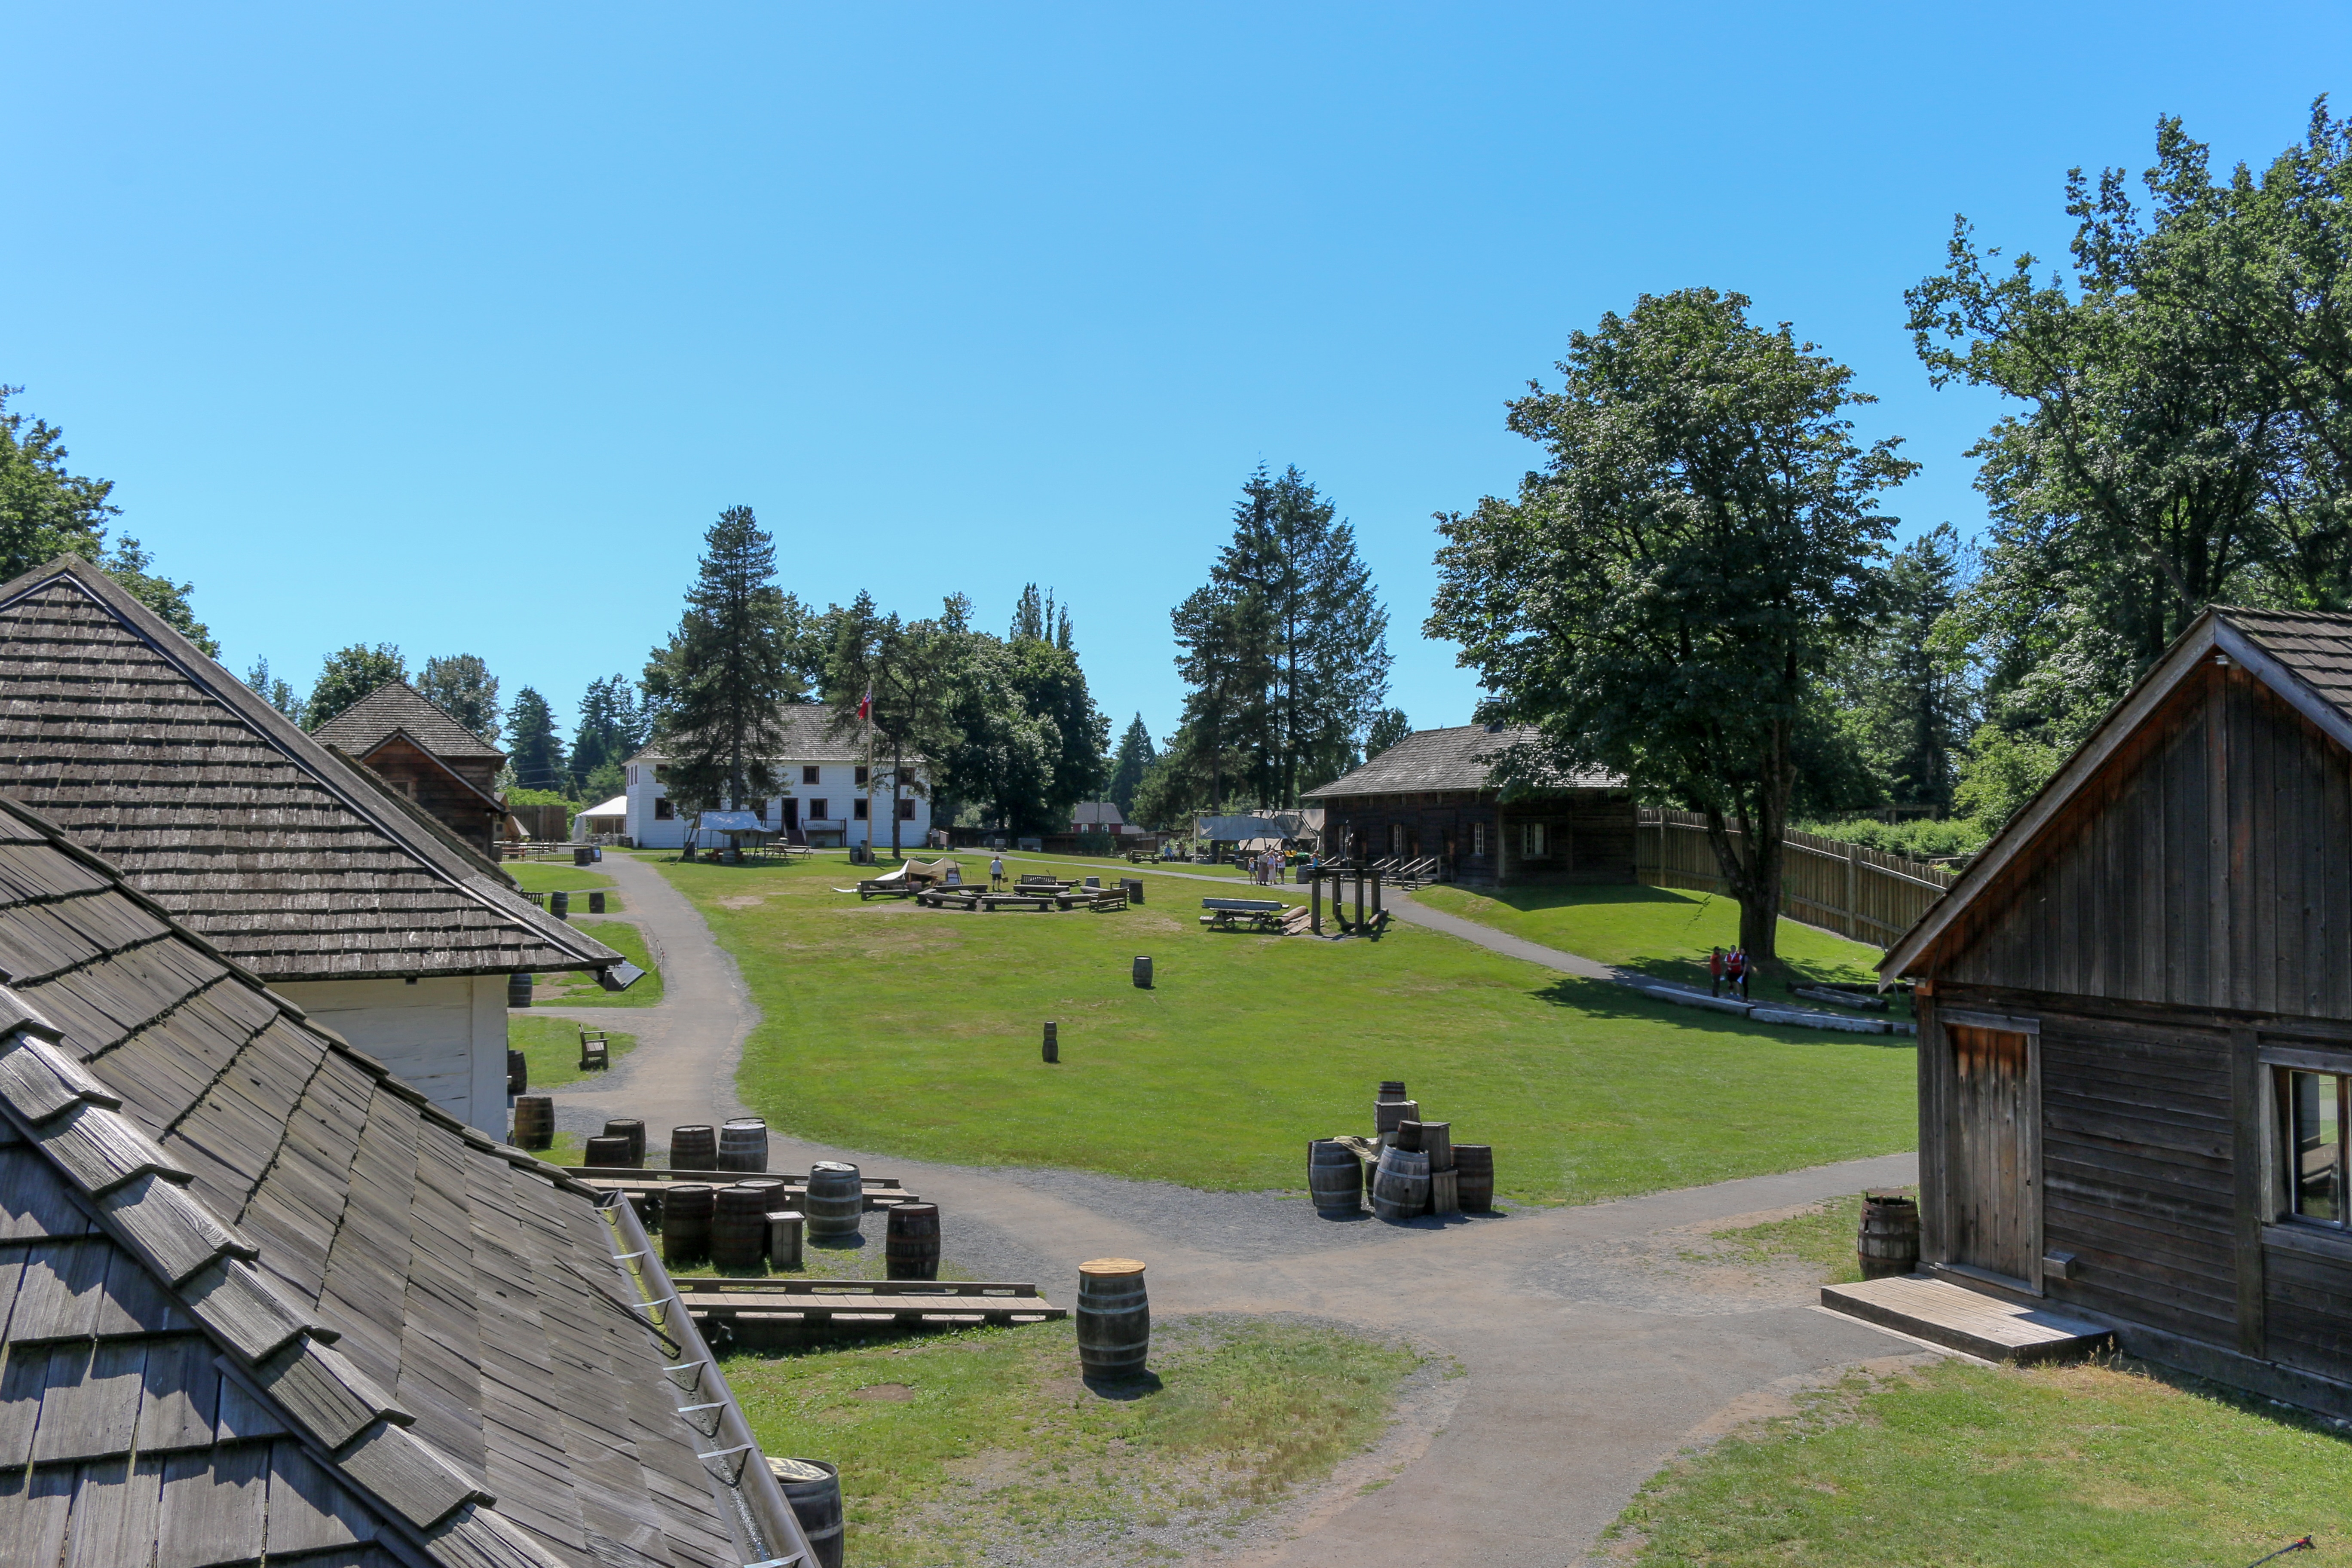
1138 1385
1606 999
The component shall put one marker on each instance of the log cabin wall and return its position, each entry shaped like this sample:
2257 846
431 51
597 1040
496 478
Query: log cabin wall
425 780
1588 835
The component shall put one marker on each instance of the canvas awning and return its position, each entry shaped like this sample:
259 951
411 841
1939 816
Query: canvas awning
616 807
1240 829
733 822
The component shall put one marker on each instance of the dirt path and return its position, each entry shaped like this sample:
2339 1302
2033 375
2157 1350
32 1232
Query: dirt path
1593 1342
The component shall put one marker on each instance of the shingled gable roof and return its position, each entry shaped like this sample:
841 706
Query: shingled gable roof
152 755
808 738
2305 657
397 707
1430 760
261 1298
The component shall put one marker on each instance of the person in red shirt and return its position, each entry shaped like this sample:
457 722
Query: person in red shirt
1715 972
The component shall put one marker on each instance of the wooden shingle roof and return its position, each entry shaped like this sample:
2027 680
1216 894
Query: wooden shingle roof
396 705
1430 760
261 1298
808 738
146 750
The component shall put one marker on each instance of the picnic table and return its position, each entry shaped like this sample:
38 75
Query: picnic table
1255 914
742 1307
645 1188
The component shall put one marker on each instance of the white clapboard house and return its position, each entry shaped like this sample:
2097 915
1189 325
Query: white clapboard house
822 798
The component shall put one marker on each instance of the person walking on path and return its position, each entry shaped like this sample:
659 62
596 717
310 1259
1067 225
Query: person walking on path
1715 972
1739 972
995 872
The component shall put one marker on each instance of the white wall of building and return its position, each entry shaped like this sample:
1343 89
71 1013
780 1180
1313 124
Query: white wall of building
836 789
446 1038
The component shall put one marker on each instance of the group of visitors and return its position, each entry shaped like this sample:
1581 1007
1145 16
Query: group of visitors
1731 968
1267 869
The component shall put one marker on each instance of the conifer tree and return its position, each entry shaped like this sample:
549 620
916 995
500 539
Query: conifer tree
535 752
726 671
1135 753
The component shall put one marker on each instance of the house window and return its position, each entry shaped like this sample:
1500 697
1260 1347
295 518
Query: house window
1396 837
1478 839
907 810
857 808
663 810
817 809
808 773
2314 1115
1531 840
861 776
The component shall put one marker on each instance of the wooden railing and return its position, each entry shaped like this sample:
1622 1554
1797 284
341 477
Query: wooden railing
1866 894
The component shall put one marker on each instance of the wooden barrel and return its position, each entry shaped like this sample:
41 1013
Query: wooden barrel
630 1128
739 1228
694 1147
912 1251
1391 1088
518 990
584 855
608 1151
1335 1178
835 1199
1401 1185
559 904
1133 888
814 1489
596 903
1143 972
534 1121
686 1210
1437 1143
744 1144
1387 1113
1888 1241
1113 1319
1474 1164
517 1072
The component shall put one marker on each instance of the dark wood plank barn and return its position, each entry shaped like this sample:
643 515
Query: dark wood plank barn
264 1303
2135 1021
413 741
315 874
1430 796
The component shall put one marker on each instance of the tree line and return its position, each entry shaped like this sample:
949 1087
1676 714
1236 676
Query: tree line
1697 589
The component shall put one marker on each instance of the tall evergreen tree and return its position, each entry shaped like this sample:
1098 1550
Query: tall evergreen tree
350 674
610 733
726 671
463 684
1134 755
274 691
1906 696
534 750
1389 728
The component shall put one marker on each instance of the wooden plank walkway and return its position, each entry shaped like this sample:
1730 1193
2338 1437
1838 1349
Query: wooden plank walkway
904 1302
881 1192
1960 1319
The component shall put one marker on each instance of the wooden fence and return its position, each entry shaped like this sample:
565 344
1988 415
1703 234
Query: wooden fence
1857 891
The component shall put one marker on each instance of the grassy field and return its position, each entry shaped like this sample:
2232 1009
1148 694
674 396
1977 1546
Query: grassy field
549 877
578 988
551 1049
982 1446
2035 1468
910 1031
1663 931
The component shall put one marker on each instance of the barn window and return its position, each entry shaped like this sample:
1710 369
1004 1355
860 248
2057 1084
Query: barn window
663 810
808 773
1531 840
2315 1117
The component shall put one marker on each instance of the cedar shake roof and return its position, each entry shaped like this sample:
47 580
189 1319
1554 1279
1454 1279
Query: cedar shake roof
281 854
1429 761
807 739
2318 647
261 1298
398 706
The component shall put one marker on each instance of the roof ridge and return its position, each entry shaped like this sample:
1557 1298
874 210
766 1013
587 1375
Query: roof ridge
490 747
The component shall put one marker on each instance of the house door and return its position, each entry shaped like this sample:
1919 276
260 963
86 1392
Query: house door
792 814
1995 1183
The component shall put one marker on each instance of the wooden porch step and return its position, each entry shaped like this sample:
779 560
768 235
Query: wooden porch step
1960 1319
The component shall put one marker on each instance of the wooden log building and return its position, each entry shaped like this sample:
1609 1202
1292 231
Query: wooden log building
318 875
2136 1022
263 1303
414 743
1430 795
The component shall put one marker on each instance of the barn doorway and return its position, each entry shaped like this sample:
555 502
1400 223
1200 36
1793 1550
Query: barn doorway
1995 1180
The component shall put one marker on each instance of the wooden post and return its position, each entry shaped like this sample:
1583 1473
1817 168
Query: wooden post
2251 1171
1314 900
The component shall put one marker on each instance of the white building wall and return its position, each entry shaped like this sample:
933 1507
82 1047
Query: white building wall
836 788
446 1038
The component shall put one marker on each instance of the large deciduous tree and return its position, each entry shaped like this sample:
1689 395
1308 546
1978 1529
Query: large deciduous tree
350 674
726 671
1661 599
463 684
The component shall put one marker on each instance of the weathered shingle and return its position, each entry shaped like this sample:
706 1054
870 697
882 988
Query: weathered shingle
809 736
395 706
279 853
2315 646
1429 761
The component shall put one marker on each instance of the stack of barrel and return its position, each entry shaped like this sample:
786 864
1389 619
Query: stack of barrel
1419 1168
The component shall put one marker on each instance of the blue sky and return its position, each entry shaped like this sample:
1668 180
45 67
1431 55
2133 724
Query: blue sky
455 327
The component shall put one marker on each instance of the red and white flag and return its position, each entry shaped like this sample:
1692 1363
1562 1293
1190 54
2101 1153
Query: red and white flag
865 709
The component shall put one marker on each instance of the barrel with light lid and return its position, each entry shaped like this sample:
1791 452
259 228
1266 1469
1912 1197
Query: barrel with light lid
814 1489
611 1150
686 1210
694 1147
744 1144
1113 1319
835 1199
1335 1177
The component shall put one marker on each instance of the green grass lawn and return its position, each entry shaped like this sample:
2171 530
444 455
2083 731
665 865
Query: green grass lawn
2037 1468
984 1446
578 988
550 877
1663 931
910 1031
551 1049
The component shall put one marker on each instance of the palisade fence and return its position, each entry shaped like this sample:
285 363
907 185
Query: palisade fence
1863 894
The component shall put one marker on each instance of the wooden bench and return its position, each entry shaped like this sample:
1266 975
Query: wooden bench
1103 898
1251 914
595 1051
1036 899
956 897
895 888
743 1305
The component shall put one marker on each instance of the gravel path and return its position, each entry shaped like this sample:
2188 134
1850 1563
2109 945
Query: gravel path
1593 1342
